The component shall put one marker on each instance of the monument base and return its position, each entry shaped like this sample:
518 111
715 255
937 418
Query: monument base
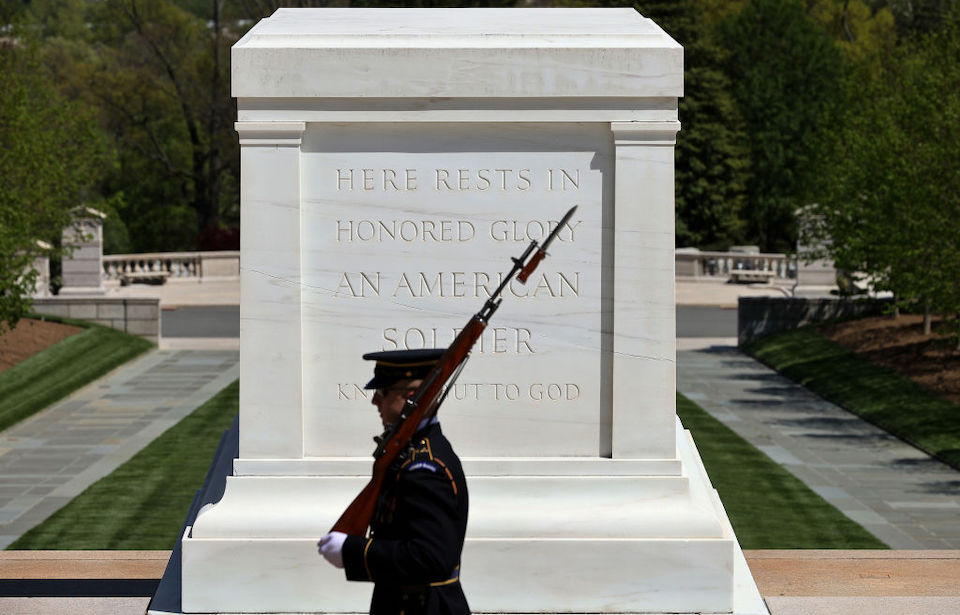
601 541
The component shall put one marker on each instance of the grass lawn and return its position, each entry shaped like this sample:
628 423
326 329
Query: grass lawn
143 503
881 396
768 507
61 369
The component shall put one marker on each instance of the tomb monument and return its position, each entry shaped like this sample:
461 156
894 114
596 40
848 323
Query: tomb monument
392 161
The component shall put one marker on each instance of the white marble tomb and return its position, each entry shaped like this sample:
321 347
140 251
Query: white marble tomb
392 161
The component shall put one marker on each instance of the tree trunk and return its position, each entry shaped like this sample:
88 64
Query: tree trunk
926 317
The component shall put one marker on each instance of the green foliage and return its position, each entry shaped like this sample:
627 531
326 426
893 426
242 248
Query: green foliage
712 166
890 191
920 16
768 507
116 237
160 79
861 31
51 154
787 74
57 18
55 372
882 397
164 76
142 504
763 90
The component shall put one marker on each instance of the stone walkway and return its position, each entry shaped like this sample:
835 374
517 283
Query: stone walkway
51 457
897 492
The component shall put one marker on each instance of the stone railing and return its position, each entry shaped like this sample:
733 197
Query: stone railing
172 265
737 266
690 264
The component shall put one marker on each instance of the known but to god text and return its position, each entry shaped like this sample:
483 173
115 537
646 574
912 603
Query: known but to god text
492 391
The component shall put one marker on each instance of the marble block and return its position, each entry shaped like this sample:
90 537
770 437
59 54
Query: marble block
83 259
392 163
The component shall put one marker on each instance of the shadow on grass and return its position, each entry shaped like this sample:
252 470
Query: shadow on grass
768 507
57 371
881 396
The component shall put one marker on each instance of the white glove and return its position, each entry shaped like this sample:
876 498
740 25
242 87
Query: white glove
331 548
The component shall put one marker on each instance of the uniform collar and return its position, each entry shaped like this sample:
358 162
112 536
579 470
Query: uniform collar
427 423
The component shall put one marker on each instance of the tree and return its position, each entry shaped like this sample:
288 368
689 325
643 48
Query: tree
787 74
860 30
920 16
712 164
892 201
166 83
160 78
51 154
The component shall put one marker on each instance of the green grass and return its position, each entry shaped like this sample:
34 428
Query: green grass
55 372
768 507
881 396
142 504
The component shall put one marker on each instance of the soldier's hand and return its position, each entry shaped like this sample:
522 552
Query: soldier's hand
331 548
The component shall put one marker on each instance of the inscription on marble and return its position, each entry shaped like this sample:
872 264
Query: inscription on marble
404 242
385 180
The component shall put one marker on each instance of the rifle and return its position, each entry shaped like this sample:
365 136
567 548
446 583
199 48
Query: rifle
427 398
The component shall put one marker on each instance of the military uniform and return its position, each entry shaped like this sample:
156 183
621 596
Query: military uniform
413 551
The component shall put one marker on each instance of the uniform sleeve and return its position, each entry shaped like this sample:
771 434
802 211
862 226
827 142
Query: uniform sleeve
429 549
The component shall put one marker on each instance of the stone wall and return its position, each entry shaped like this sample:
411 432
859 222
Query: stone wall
759 316
139 317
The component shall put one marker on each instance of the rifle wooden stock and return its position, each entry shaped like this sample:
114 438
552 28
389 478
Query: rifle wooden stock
538 256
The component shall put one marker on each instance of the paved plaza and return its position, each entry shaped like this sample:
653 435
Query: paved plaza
897 492
51 457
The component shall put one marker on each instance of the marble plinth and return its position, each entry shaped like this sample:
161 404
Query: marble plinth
537 541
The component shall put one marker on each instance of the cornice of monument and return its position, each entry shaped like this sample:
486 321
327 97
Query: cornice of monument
457 53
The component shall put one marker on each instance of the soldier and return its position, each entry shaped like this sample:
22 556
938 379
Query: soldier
412 554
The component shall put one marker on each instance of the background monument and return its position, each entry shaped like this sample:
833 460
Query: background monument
82 264
393 160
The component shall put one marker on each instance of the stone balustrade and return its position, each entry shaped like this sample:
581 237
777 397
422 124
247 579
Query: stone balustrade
171 265
692 263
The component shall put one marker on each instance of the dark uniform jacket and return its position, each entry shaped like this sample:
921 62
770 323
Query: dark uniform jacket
413 552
